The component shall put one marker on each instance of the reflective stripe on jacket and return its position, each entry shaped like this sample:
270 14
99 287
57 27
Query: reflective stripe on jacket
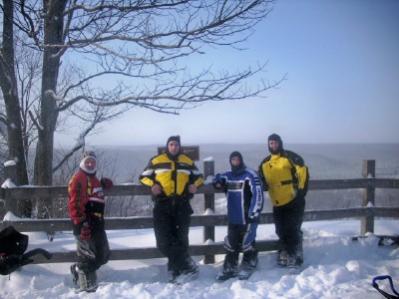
244 195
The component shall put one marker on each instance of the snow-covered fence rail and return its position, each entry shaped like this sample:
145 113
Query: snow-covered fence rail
209 220
206 249
141 222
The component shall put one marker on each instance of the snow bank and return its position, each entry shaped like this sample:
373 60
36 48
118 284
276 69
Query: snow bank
335 267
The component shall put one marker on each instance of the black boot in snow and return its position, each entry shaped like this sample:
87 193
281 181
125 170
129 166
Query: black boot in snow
230 267
191 266
87 281
229 271
248 264
75 275
282 256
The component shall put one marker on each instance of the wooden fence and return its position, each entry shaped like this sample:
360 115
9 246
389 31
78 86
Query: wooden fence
209 220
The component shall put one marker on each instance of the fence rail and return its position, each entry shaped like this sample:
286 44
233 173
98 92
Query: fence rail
366 213
142 222
23 192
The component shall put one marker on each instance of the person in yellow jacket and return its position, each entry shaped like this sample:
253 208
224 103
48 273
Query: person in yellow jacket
285 176
173 178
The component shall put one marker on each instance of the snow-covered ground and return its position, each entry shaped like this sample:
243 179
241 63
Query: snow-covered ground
335 267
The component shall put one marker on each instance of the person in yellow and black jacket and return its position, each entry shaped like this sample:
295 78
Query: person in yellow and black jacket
173 178
285 176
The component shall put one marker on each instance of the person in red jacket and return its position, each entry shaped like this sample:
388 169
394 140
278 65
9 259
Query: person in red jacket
86 210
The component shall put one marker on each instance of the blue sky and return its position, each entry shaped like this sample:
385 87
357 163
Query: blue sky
341 58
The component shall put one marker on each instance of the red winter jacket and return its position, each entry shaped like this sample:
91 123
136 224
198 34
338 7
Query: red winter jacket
86 199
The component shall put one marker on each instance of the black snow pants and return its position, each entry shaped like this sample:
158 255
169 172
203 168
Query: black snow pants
171 226
288 221
93 253
235 236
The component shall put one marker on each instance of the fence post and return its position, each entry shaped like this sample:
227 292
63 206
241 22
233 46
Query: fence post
368 171
209 207
10 174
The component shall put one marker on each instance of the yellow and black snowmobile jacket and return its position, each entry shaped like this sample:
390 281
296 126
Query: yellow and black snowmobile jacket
174 175
284 175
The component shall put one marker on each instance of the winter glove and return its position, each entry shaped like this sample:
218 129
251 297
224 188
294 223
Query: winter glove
253 218
106 183
218 182
301 193
85 231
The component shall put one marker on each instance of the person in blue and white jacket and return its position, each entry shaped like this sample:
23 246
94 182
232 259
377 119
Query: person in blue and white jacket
244 205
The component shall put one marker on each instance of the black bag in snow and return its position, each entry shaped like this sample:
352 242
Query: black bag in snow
12 251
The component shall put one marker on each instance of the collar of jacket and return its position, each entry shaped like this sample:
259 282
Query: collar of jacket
88 174
238 170
173 158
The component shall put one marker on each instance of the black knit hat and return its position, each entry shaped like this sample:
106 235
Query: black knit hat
277 138
237 168
173 138
236 154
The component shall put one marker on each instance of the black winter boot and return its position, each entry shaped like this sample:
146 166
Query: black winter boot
282 256
87 281
230 267
75 275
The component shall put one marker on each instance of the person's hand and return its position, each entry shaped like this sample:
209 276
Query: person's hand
156 189
85 231
106 183
218 185
300 193
219 182
192 188
253 218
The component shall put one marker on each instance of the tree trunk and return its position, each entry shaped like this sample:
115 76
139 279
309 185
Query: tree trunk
10 93
8 83
53 35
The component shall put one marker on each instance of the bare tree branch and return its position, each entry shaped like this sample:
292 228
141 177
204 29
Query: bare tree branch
126 54
80 143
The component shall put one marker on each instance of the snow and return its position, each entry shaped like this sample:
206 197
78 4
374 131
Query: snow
9 216
52 94
10 163
335 267
209 212
8 183
208 159
209 179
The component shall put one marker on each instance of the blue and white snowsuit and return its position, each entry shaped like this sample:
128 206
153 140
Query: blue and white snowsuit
244 204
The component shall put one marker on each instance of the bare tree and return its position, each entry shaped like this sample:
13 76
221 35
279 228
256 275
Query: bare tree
143 46
3 138
8 83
